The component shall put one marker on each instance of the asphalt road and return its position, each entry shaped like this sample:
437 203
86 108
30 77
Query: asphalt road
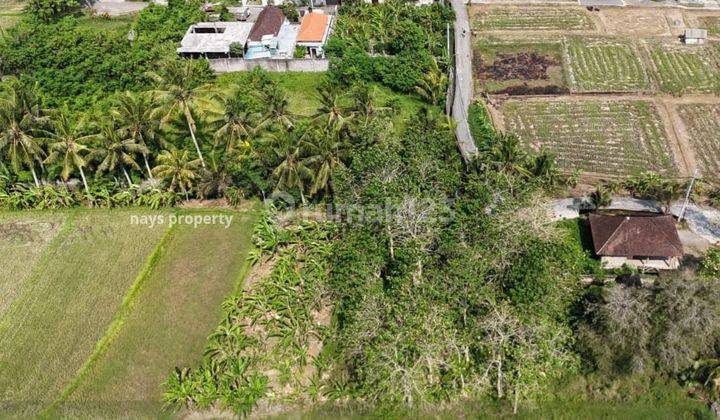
463 80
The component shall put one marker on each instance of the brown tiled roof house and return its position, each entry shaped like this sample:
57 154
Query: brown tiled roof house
268 22
641 240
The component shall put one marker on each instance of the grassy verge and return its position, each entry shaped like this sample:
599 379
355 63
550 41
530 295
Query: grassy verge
67 304
174 311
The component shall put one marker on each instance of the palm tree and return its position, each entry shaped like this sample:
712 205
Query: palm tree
433 86
232 124
505 154
134 114
323 157
116 152
20 117
278 110
291 172
176 168
332 113
179 93
66 143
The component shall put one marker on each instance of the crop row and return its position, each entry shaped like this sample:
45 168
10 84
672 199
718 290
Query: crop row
610 137
532 18
679 69
703 126
599 65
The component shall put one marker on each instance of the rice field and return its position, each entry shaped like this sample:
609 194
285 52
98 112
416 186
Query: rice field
702 122
100 309
22 240
604 65
178 306
67 303
536 18
680 69
612 137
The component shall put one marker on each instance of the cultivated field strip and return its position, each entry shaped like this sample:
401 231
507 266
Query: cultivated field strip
531 18
74 292
604 65
23 239
613 137
176 309
702 122
680 69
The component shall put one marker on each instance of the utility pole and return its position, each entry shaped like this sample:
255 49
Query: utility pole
687 196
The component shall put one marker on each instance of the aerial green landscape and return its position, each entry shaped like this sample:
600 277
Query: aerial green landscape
361 210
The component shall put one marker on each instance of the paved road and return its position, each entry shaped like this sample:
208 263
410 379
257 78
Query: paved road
463 80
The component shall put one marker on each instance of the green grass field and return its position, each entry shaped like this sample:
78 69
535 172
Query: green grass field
615 138
604 65
508 18
22 240
680 69
177 307
104 311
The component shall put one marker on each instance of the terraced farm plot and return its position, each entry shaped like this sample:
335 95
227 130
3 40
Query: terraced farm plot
22 241
604 65
64 308
615 138
711 23
680 69
702 122
518 67
178 306
536 18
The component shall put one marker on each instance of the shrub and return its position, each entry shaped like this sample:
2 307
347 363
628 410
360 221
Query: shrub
710 265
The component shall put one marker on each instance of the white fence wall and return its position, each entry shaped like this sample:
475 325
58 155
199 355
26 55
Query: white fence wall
226 65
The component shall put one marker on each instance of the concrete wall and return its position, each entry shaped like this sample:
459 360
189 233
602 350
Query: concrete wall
226 65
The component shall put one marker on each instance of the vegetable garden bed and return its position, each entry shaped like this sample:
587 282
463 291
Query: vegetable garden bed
703 126
531 18
612 137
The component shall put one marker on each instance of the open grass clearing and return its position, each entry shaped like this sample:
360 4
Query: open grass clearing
611 137
505 66
177 307
702 124
106 23
537 18
66 305
680 69
604 65
23 237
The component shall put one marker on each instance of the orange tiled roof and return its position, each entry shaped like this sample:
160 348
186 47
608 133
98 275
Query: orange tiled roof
312 28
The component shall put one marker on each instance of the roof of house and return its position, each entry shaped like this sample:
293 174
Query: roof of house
313 27
696 33
214 42
640 235
268 22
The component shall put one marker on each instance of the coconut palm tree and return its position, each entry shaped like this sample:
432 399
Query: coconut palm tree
134 114
233 125
115 152
66 142
20 118
323 152
278 110
433 86
332 112
177 169
292 171
179 93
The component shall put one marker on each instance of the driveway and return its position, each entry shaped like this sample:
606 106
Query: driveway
463 80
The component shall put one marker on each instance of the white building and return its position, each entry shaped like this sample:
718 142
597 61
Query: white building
213 39
695 36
